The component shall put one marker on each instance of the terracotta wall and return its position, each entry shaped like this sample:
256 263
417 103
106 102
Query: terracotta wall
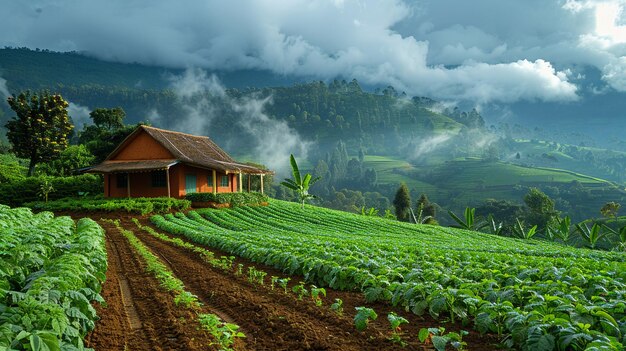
143 147
202 185
140 186
141 183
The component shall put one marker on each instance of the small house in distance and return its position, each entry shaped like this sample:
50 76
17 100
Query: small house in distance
154 162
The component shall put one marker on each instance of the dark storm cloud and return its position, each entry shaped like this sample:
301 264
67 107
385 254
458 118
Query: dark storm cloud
501 50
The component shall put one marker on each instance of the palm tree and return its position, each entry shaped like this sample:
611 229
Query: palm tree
300 184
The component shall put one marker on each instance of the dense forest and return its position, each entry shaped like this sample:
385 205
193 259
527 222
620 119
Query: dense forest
362 141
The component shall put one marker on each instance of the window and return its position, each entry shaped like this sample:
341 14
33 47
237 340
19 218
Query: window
159 179
209 180
122 180
224 181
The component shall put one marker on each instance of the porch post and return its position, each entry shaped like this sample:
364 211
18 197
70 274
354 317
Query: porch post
262 182
167 177
249 176
128 184
240 181
214 182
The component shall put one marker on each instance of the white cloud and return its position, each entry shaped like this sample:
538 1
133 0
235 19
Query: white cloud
4 91
204 97
383 42
79 114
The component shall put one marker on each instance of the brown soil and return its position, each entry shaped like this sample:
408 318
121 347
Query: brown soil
270 319
138 314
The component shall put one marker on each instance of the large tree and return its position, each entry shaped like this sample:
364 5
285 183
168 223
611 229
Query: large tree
541 209
402 203
109 118
40 129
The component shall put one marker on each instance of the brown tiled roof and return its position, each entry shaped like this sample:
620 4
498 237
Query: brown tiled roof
132 166
199 151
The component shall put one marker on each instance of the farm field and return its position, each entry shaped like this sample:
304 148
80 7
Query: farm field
473 180
263 269
51 270
142 316
534 295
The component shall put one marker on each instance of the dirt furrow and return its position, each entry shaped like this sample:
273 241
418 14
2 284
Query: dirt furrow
271 319
139 315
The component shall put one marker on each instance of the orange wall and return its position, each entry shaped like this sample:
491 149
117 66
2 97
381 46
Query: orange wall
180 171
140 186
143 147
141 183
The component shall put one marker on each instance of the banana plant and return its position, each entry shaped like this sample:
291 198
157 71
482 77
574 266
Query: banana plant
300 184
494 228
521 232
371 212
590 235
561 230
621 234
469 223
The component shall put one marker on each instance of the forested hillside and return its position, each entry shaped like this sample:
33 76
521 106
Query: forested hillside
362 141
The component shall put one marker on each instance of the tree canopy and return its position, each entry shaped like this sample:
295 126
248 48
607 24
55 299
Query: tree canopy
402 203
39 131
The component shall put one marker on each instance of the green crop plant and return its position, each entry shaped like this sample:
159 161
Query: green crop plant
273 281
439 339
225 263
316 294
185 299
224 333
51 272
494 284
282 282
256 276
299 290
239 270
337 306
395 322
363 317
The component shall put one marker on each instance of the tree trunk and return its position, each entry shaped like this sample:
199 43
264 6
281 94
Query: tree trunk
31 167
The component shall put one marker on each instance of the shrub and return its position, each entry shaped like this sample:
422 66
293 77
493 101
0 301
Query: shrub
234 199
19 191
142 205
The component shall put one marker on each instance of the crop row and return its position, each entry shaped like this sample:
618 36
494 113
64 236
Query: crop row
537 295
224 333
51 269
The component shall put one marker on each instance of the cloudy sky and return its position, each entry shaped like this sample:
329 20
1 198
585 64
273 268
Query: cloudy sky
483 51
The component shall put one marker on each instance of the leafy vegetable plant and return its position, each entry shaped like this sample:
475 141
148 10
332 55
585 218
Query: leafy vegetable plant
394 322
363 316
439 340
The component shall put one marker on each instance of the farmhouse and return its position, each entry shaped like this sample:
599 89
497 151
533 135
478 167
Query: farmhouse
153 162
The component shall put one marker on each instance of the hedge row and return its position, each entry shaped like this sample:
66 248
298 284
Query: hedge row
19 191
234 199
141 205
